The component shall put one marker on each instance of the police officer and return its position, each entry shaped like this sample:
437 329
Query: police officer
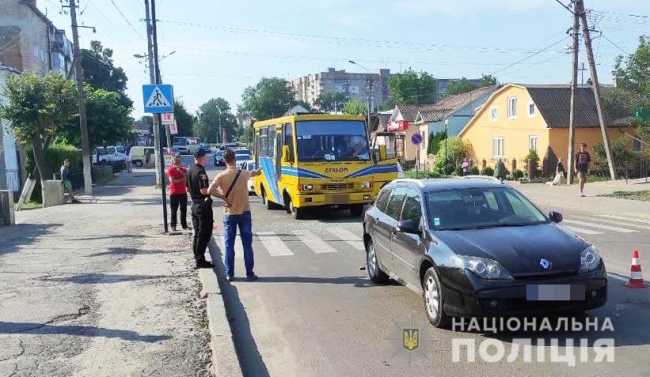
197 185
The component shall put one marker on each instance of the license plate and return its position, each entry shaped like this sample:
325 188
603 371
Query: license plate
555 292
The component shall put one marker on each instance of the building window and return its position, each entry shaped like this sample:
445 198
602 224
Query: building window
533 140
512 107
494 114
531 109
498 147
638 146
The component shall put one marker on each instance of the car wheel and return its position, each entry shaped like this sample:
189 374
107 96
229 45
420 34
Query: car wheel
356 210
433 300
138 164
375 273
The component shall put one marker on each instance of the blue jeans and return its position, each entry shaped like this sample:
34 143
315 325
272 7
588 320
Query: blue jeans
230 224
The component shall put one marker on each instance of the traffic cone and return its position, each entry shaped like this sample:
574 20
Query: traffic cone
636 278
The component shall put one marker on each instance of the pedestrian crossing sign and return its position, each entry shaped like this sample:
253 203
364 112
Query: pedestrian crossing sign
158 98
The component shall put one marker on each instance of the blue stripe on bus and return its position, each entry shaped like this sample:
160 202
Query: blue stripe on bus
299 172
268 169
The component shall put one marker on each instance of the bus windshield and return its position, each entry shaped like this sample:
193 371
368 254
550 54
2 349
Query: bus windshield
332 140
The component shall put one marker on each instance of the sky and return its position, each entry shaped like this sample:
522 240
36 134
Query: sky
218 48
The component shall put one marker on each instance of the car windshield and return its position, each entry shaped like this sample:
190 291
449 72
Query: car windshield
243 151
242 157
332 140
473 208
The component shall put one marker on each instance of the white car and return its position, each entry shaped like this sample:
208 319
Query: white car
250 166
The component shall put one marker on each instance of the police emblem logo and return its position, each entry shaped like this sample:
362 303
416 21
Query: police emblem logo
411 339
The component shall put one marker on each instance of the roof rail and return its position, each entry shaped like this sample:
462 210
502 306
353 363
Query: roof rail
418 182
482 177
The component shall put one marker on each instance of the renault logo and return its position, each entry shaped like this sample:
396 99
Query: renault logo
545 264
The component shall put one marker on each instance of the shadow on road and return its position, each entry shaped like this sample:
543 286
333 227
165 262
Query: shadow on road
19 235
250 359
90 331
356 281
129 251
103 278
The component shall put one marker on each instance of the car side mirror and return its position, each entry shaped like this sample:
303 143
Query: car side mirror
555 217
409 226
286 154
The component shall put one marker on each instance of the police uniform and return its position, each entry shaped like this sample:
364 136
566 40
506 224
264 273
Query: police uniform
202 219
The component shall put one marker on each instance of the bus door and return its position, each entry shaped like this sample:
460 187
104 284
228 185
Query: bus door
384 156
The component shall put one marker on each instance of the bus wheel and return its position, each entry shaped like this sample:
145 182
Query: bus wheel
297 213
356 210
288 204
267 203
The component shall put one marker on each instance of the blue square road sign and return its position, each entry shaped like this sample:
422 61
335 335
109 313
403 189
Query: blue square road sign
158 98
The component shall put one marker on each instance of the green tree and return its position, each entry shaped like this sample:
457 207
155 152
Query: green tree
413 87
270 98
621 155
488 80
99 70
36 108
458 149
355 107
184 120
107 118
331 101
387 105
210 115
460 86
434 142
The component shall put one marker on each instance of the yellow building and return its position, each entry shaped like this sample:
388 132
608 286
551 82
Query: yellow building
517 118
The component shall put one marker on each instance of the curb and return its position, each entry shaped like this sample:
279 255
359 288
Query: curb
224 354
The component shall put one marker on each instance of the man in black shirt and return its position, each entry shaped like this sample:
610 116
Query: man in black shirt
582 166
197 186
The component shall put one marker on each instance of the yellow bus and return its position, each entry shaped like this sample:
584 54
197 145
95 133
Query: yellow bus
320 160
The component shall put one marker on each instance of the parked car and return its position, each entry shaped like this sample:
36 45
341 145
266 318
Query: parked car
250 166
479 248
218 158
109 155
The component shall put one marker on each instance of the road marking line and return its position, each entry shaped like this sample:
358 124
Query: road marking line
352 239
599 226
315 243
273 244
615 222
239 249
625 219
617 277
582 230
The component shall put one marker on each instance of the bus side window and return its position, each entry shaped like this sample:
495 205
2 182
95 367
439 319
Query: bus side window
271 142
288 140
264 141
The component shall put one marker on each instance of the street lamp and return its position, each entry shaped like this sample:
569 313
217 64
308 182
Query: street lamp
369 91
219 132
446 144
141 56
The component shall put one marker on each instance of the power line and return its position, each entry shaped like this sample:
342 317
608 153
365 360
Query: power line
346 40
126 19
615 45
529 56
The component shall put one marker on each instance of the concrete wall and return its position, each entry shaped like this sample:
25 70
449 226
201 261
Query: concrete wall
52 193
7 208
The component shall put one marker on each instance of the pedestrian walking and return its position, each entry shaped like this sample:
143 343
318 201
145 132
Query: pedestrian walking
500 170
232 183
67 184
128 163
559 169
147 159
465 166
177 192
582 166
202 220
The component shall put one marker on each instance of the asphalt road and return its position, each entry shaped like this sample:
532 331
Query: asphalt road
314 313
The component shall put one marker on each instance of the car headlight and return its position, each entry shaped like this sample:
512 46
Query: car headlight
589 259
484 268
307 187
366 185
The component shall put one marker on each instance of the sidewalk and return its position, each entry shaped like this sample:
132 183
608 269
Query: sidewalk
99 289
569 197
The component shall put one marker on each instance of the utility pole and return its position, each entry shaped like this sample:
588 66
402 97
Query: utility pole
161 160
594 83
81 98
369 102
582 73
574 87
152 80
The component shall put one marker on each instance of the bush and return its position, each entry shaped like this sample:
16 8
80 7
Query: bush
532 155
458 149
487 171
459 170
422 174
517 174
474 170
54 157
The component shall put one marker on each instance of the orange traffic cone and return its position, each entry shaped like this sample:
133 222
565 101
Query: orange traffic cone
636 278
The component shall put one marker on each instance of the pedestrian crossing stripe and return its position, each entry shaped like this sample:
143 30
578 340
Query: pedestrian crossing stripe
157 99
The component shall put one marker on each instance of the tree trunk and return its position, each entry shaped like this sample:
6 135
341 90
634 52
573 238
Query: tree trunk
44 170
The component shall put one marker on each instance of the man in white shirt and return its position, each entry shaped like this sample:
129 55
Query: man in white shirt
358 145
